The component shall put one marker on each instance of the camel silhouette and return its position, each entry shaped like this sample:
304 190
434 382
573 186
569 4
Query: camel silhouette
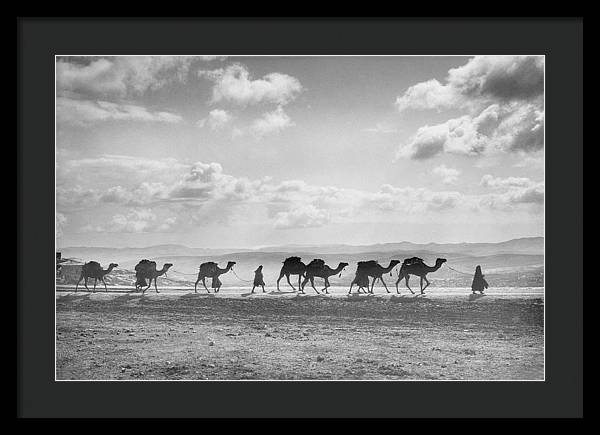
318 269
417 268
372 269
210 269
146 270
93 269
292 266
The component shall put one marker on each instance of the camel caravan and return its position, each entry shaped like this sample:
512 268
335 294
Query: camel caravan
146 272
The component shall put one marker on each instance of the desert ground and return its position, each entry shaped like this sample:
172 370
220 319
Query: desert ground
446 334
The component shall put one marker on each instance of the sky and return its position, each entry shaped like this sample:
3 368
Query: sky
234 151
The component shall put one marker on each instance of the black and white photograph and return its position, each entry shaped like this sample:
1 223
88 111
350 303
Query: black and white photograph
294 217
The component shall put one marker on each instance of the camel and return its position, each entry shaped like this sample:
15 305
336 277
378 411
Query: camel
292 266
210 269
93 269
372 269
318 269
146 269
417 268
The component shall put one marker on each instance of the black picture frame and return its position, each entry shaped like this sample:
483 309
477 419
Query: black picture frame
560 40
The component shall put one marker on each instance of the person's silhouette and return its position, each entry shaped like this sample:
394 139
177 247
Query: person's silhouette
479 282
258 279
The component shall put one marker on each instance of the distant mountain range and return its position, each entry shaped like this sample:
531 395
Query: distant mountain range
528 245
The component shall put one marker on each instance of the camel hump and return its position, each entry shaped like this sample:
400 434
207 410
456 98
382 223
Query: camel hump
292 260
145 265
93 264
317 262
370 263
208 267
412 260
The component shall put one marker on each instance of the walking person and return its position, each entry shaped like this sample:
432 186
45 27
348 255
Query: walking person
479 282
258 279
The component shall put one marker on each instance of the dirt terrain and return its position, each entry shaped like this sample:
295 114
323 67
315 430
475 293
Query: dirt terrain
127 336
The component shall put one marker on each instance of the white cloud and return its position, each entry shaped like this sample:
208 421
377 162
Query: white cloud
533 162
497 128
271 122
84 112
216 120
203 192
448 175
517 190
482 80
499 183
234 84
134 221
119 76
302 216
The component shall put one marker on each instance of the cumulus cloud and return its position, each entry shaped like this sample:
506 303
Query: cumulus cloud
414 200
499 183
84 112
204 191
134 221
448 175
503 96
482 80
216 119
516 190
119 76
302 216
234 84
509 128
271 122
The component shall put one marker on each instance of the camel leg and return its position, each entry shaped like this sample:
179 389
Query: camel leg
279 279
421 284
104 282
95 282
77 285
383 282
204 284
155 288
406 283
299 278
426 285
288 280
312 283
253 287
196 284
397 283
326 285
304 283
85 281
372 285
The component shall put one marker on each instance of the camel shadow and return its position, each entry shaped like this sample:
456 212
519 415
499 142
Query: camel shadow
399 298
474 297
126 297
74 297
192 296
305 296
275 292
245 295
409 298
359 296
